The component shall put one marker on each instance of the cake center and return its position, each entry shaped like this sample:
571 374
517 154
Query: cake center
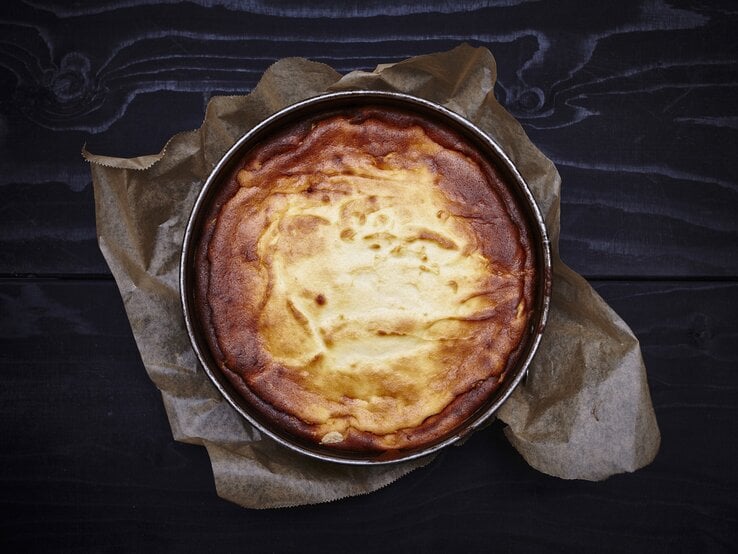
371 280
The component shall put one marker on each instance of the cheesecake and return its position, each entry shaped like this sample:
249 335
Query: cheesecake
365 279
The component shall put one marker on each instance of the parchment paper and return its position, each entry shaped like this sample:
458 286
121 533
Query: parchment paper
585 410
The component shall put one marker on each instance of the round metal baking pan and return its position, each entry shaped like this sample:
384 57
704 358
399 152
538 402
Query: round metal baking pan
224 170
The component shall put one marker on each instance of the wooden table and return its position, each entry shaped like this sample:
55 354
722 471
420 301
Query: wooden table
635 102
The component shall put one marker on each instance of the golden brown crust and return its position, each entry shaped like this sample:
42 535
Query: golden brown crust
366 280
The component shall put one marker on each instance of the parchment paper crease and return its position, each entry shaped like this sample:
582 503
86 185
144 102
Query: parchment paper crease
585 410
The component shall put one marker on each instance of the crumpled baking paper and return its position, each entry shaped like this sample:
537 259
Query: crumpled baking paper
584 411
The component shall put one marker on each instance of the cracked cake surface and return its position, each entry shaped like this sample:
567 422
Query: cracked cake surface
365 279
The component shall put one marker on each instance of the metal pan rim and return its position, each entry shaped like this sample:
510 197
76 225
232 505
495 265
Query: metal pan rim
326 102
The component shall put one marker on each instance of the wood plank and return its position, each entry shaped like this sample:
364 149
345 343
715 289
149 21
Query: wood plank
49 228
87 450
644 136
620 224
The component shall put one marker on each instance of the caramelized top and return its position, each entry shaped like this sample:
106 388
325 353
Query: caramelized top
367 279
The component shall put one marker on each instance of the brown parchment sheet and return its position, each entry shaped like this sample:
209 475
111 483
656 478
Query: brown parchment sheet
584 411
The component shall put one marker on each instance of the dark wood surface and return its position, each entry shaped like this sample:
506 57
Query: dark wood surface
634 101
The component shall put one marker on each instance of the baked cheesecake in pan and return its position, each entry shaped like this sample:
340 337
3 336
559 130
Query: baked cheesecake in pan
366 279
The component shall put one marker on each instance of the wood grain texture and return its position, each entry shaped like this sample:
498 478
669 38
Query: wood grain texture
634 102
89 464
